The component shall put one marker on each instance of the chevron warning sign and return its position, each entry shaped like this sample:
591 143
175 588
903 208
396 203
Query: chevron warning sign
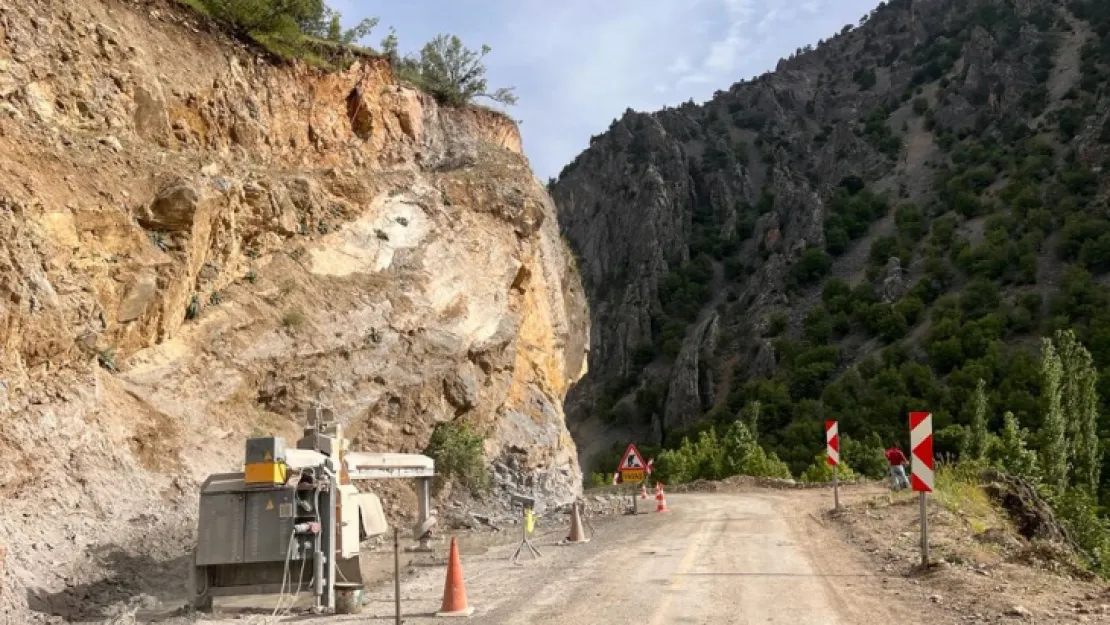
832 443
921 451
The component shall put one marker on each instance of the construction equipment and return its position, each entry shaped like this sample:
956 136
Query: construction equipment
292 520
527 505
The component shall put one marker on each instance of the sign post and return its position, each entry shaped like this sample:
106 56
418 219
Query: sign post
832 456
632 469
921 469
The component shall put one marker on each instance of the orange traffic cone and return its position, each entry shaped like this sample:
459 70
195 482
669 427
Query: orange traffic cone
658 488
454 589
643 491
661 506
577 535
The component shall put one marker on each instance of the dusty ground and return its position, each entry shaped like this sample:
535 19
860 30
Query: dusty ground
985 571
741 555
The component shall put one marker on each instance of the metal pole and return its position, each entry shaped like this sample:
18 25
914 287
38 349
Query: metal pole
396 577
424 504
924 533
332 536
836 488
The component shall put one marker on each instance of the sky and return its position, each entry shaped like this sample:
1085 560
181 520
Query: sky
578 64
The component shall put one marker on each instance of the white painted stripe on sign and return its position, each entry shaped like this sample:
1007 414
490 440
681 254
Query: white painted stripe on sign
921 432
923 473
831 432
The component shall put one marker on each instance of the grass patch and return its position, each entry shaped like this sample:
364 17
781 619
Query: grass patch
107 359
959 490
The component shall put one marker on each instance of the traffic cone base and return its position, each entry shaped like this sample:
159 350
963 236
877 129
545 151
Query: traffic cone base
454 589
463 613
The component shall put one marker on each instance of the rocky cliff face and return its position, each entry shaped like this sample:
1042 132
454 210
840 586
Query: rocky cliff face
705 230
197 244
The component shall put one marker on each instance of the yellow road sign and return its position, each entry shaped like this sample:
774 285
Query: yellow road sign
632 475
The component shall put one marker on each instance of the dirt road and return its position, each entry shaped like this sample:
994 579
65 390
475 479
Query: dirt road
746 558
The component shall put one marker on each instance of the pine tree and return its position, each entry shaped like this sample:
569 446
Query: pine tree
1079 406
977 441
1069 352
751 419
1088 463
1054 448
1010 453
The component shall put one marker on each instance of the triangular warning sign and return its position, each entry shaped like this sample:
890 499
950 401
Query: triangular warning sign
267 456
631 459
270 504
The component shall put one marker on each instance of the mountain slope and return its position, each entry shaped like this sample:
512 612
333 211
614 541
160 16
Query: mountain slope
931 179
199 243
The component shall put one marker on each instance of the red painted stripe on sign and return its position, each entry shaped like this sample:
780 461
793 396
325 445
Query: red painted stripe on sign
917 417
834 443
924 451
918 485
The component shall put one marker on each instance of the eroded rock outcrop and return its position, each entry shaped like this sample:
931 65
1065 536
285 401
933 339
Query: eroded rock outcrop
196 244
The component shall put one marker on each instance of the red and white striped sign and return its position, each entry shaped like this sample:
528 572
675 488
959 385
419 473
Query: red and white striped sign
921 451
832 443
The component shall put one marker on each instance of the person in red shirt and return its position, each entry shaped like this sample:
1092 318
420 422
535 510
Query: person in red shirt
897 461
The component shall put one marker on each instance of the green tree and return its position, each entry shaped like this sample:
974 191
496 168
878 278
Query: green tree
751 417
866 456
1079 399
1009 452
977 439
1054 444
457 451
455 74
287 19
821 471
251 17
713 457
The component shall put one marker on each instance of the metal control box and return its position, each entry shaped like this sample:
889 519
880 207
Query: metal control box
241 525
221 520
268 525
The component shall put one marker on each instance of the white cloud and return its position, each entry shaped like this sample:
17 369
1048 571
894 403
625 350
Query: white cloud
724 53
681 65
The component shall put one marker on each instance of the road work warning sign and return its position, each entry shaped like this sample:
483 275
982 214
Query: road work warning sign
632 466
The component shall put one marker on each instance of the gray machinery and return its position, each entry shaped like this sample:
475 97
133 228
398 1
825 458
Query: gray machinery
291 521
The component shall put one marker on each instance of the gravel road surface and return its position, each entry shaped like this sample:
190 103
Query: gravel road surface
745 558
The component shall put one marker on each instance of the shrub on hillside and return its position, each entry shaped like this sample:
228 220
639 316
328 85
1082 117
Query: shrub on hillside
457 451
821 471
866 456
713 457
289 28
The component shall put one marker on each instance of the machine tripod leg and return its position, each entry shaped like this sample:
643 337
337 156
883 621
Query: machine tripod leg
525 542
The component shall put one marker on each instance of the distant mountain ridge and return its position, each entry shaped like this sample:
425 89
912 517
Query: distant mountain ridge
932 179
